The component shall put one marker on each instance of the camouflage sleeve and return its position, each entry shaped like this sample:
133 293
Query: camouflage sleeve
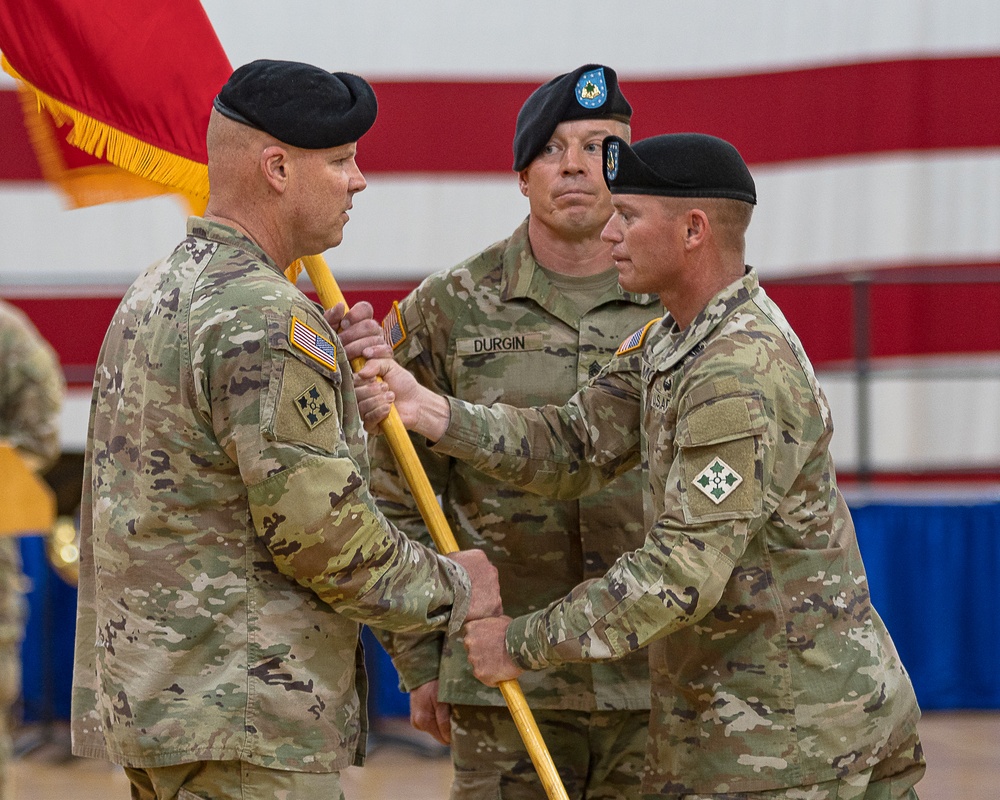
416 656
33 390
688 557
561 452
309 501
88 739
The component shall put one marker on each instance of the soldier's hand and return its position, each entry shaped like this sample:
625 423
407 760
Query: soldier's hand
361 335
485 641
420 409
430 715
485 600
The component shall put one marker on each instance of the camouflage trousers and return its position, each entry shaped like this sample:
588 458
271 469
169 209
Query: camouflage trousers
890 779
599 754
230 780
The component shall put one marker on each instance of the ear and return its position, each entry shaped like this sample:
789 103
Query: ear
522 181
698 228
274 167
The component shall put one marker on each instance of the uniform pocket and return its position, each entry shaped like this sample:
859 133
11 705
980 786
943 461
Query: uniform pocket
720 446
476 786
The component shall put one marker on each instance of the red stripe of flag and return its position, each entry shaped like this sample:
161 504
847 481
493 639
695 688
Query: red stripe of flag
852 109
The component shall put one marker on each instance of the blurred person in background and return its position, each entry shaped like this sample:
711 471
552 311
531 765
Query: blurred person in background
32 389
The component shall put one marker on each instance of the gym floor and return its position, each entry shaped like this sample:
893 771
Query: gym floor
963 757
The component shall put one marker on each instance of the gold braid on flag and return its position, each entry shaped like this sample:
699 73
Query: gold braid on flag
172 173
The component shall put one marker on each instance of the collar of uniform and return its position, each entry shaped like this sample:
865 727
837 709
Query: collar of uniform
519 265
523 278
674 344
229 237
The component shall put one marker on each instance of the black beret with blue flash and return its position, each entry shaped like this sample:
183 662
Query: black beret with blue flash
678 165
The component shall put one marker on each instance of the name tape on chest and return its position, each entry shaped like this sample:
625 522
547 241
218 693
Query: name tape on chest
500 343
392 327
318 348
634 342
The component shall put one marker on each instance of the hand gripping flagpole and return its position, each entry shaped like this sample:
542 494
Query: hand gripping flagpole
402 448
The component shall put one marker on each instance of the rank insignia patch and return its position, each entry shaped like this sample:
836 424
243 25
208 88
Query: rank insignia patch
311 407
718 480
392 327
635 341
591 89
312 344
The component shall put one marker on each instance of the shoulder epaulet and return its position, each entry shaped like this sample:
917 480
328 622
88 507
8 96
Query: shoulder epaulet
635 341
392 326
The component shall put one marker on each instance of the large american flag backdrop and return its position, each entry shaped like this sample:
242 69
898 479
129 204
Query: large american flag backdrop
872 129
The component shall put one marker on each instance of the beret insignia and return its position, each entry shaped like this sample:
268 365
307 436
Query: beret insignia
591 89
611 168
312 344
635 341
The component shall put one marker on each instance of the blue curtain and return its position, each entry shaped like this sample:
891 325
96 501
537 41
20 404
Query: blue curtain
47 649
934 572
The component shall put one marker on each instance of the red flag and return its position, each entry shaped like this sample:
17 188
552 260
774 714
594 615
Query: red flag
127 82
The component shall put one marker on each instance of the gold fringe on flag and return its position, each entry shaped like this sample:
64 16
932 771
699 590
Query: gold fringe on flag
136 169
146 170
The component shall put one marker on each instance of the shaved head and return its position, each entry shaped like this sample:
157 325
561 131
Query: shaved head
233 153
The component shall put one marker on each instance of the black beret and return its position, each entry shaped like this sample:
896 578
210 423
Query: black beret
590 91
678 165
299 104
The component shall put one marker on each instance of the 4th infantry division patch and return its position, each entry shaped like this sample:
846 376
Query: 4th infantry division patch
718 480
311 407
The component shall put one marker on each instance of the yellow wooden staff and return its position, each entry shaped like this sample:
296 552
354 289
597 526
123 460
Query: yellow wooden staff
402 448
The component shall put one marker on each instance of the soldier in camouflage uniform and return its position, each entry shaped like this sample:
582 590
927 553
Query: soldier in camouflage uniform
772 674
528 321
31 394
230 546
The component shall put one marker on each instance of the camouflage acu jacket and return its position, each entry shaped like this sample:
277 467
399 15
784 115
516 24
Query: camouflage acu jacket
229 542
770 667
31 394
494 328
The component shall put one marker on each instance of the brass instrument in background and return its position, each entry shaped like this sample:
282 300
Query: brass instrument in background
30 504
26 501
62 546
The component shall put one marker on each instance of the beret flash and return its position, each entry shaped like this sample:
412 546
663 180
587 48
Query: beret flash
299 104
588 92
678 165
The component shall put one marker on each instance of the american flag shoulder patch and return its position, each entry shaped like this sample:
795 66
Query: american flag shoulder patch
312 344
392 326
635 341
